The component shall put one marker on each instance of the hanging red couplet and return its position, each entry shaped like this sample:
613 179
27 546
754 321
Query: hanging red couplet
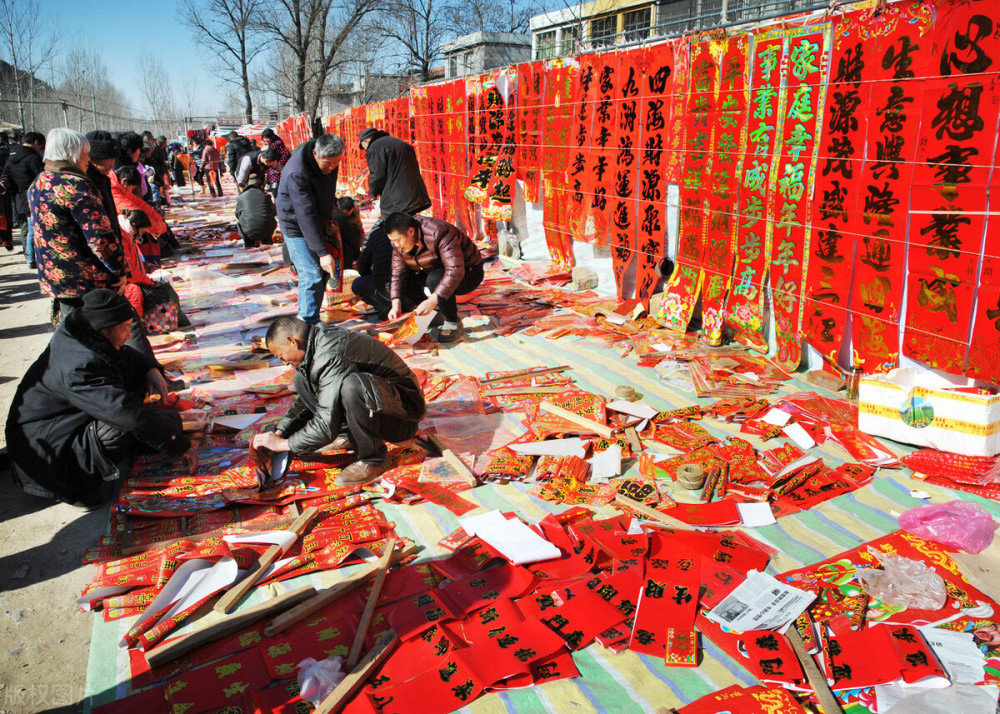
730 144
657 88
581 143
901 53
836 196
530 85
682 291
791 216
625 163
600 159
560 77
947 214
745 312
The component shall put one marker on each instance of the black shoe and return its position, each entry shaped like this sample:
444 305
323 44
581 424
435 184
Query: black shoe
33 265
176 385
449 332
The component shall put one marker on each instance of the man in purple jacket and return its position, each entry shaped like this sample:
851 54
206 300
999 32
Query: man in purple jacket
306 196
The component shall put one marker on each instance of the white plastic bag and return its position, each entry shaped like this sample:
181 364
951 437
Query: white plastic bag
904 583
318 679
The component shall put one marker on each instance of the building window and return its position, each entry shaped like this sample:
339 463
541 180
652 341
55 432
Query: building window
570 39
603 31
453 66
467 62
545 45
637 24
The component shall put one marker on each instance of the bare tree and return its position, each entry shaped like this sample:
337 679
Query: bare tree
231 30
419 28
309 35
29 47
189 90
494 16
156 92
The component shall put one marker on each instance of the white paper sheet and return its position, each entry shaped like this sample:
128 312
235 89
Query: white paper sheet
573 446
796 433
606 465
513 539
776 417
755 515
239 421
642 411
423 322
760 602
957 699
958 654
284 539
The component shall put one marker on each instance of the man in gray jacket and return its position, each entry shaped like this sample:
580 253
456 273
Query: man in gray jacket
352 391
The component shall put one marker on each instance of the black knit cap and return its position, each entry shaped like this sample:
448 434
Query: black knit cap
100 149
368 133
105 308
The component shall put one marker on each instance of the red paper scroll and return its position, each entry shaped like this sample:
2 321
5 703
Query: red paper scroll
627 134
947 221
454 139
982 362
581 144
836 193
791 219
600 160
730 144
682 292
753 248
530 85
493 168
676 97
426 137
657 88
901 54
560 78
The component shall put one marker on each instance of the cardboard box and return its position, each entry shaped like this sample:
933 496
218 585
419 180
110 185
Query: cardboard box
926 410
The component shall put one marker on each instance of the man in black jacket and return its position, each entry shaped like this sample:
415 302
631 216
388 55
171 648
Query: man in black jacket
306 196
23 166
255 214
235 148
394 173
78 416
346 382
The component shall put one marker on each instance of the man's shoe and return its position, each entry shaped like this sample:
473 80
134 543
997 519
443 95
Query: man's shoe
359 473
176 385
449 332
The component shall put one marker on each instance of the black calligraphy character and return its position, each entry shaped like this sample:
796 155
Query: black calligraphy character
600 201
654 115
772 667
447 671
888 152
606 84
917 659
892 112
900 61
842 119
953 165
625 155
623 184
880 203
767 642
653 149
586 78
681 595
904 635
651 185
944 228
654 589
878 254
841 152
828 245
958 112
833 202
973 58
850 65
645 637
629 88
651 221
658 80
622 218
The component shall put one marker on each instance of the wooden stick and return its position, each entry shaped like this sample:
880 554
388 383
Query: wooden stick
349 685
569 416
209 534
633 439
454 461
182 645
817 681
557 389
384 563
529 375
324 597
651 513
228 601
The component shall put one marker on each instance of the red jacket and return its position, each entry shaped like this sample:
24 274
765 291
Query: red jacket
125 199
439 245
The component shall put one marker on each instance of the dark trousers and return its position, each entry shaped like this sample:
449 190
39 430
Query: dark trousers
416 281
213 176
137 339
377 296
369 431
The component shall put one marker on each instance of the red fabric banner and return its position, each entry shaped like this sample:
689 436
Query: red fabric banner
900 54
753 249
627 136
601 158
947 214
581 144
560 77
530 88
681 294
791 216
730 141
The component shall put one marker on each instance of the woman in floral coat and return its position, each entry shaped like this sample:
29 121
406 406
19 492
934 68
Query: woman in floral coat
77 250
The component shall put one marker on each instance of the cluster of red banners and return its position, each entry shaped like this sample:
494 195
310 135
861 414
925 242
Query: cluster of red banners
826 174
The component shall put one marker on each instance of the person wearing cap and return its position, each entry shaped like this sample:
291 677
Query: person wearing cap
306 196
255 213
79 415
431 254
352 392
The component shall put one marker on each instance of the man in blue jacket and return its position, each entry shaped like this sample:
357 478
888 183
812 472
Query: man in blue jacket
306 196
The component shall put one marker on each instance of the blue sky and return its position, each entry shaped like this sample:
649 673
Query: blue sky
121 29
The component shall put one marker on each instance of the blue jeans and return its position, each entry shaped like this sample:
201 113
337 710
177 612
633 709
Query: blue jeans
28 240
312 279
